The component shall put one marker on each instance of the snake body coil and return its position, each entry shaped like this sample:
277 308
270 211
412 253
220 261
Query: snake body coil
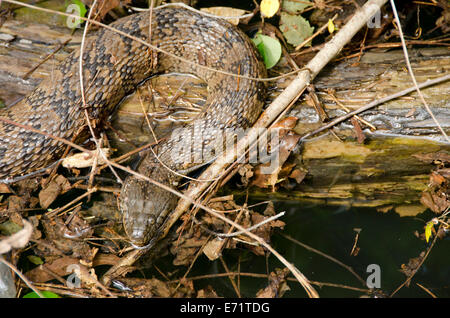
113 65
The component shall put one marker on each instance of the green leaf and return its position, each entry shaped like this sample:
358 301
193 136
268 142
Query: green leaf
45 293
295 28
269 48
294 7
35 259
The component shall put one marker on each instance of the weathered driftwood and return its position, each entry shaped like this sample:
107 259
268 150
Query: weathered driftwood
380 171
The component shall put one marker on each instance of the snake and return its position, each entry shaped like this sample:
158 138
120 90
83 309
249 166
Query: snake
113 66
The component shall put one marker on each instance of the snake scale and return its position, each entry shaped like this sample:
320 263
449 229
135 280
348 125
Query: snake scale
113 66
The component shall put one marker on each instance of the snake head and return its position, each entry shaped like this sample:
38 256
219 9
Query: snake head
145 207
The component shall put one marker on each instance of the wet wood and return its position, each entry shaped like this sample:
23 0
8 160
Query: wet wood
382 171
352 84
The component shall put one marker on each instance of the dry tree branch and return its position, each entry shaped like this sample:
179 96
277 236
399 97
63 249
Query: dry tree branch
277 107
135 254
18 240
291 92
310 290
422 260
22 276
83 99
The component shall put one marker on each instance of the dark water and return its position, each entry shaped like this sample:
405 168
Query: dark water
386 239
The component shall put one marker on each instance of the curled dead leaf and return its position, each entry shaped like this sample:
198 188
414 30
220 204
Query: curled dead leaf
53 189
436 197
212 249
277 285
267 174
227 12
61 266
17 240
286 123
85 160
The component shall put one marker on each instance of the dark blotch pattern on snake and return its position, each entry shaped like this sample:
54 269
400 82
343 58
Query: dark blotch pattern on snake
113 66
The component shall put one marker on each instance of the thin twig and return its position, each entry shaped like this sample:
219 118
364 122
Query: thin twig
87 193
309 39
411 73
330 50
25 280
46 58
85 108
376 103
426 290
309 248
278 106
199 252
418 266
230 277
253 227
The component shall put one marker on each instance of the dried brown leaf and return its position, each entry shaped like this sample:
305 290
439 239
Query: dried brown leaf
246 173
17 240
286 123
360 137
52 190
4 188
207 292
186 249
226 12
298 175
436 202
265 180
58 267
213 249
85 160
270 209
436 196
277 284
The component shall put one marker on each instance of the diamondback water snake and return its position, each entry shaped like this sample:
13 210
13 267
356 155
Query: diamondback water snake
113 65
